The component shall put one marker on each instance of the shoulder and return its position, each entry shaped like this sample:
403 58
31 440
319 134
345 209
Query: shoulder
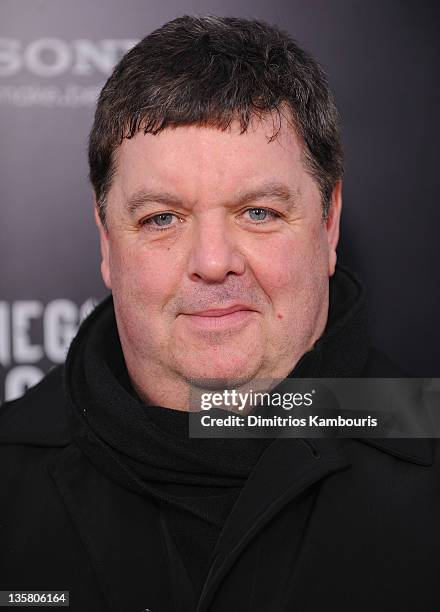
34 434
39 417
417 450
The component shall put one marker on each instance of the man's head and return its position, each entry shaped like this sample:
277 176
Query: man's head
216 163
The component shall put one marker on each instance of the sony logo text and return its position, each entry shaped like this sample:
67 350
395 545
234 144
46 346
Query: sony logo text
53 57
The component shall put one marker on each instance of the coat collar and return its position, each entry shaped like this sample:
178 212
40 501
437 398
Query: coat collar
288 468
419 451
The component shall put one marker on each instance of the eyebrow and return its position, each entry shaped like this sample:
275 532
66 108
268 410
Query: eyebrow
272 191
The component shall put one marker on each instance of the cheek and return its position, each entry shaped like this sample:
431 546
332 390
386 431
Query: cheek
146 275
290 269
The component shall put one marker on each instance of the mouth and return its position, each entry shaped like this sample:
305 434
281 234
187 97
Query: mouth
219 319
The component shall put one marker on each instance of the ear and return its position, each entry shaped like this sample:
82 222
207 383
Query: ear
104 242
332 226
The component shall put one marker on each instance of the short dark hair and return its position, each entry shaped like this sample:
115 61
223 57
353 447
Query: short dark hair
210 71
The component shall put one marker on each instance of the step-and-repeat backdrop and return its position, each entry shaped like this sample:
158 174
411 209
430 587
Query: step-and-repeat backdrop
383 63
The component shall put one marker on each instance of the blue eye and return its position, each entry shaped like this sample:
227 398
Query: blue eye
257 214
261 214
162 219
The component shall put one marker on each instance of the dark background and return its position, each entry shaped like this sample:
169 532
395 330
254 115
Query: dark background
382 59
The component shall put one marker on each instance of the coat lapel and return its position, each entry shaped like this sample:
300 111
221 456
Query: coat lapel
286 469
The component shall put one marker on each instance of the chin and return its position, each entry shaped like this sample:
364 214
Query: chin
226 374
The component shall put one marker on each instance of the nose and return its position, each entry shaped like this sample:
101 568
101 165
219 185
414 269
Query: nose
214 252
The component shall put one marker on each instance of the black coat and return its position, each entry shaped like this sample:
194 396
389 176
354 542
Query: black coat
328 524
353 526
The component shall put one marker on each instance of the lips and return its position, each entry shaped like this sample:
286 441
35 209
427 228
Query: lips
220 312
220 319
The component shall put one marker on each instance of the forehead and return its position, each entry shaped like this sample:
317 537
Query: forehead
205 162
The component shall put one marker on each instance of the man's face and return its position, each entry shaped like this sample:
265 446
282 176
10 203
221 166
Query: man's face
216 254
